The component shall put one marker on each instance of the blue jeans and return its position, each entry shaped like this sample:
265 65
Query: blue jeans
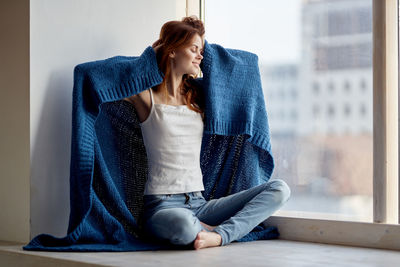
175 218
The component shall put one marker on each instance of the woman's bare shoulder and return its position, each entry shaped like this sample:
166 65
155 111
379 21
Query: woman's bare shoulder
140 99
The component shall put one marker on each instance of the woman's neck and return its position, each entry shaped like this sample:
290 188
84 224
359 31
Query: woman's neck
173 86
173 95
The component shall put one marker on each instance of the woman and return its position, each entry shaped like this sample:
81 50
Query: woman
171 120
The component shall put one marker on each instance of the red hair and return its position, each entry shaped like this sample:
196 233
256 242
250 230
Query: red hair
175 35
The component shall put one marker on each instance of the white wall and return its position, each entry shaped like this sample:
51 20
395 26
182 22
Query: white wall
64 33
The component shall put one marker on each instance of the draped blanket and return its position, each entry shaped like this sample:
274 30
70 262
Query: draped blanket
108 168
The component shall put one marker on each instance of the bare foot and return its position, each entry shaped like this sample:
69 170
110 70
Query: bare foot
208 227
206 239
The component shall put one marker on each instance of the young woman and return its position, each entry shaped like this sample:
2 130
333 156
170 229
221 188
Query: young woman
171 120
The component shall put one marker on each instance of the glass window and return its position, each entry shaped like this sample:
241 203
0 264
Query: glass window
293 114
312 45
346 86
363 110
294 94
363 85
316 110
331 86
331 110
282 93
347 110
315 87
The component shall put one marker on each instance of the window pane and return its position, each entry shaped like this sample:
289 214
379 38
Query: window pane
315 59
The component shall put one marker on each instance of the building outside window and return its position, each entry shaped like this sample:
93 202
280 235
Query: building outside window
319 52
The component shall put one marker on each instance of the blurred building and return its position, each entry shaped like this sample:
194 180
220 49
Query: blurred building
280 84
330 90
320 109
336 67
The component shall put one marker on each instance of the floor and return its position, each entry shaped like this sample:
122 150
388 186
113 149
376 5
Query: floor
275 252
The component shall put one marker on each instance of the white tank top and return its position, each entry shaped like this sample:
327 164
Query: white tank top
172 136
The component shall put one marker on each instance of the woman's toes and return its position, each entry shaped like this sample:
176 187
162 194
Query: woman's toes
199 242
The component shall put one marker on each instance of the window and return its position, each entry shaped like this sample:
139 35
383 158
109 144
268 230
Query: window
315 88
316 110
329 41
281 114
347 110
331 86
363 85
331 111
294 94
293 114
363 110
342 57
346 86
281 93
332 45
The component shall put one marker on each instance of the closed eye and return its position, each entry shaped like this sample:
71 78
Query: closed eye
195 48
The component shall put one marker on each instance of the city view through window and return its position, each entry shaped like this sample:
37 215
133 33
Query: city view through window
315 59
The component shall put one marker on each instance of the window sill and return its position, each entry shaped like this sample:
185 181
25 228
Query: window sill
279 253
306 227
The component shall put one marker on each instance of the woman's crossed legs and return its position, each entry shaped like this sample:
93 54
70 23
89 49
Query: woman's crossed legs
233 216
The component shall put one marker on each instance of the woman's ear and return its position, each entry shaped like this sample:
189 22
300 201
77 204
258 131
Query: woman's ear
172 54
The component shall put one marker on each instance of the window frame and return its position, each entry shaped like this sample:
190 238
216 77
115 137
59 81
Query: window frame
384 231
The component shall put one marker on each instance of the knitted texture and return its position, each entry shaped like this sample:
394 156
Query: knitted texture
108 168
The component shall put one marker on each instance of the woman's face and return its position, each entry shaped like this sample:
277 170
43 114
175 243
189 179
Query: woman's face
187 60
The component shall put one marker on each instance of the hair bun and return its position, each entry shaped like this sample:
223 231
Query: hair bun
193 21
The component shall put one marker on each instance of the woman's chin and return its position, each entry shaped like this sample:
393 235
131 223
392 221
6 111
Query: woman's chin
193 73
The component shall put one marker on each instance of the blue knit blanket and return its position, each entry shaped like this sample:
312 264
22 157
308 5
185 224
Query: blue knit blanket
108 167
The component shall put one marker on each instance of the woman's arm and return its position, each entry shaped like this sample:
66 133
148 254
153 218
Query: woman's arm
142 100
142 104
119 77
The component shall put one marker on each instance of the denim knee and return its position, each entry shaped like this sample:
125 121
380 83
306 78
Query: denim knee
282 187
183 228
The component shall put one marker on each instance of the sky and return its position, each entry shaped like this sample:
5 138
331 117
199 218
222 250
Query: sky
268 28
